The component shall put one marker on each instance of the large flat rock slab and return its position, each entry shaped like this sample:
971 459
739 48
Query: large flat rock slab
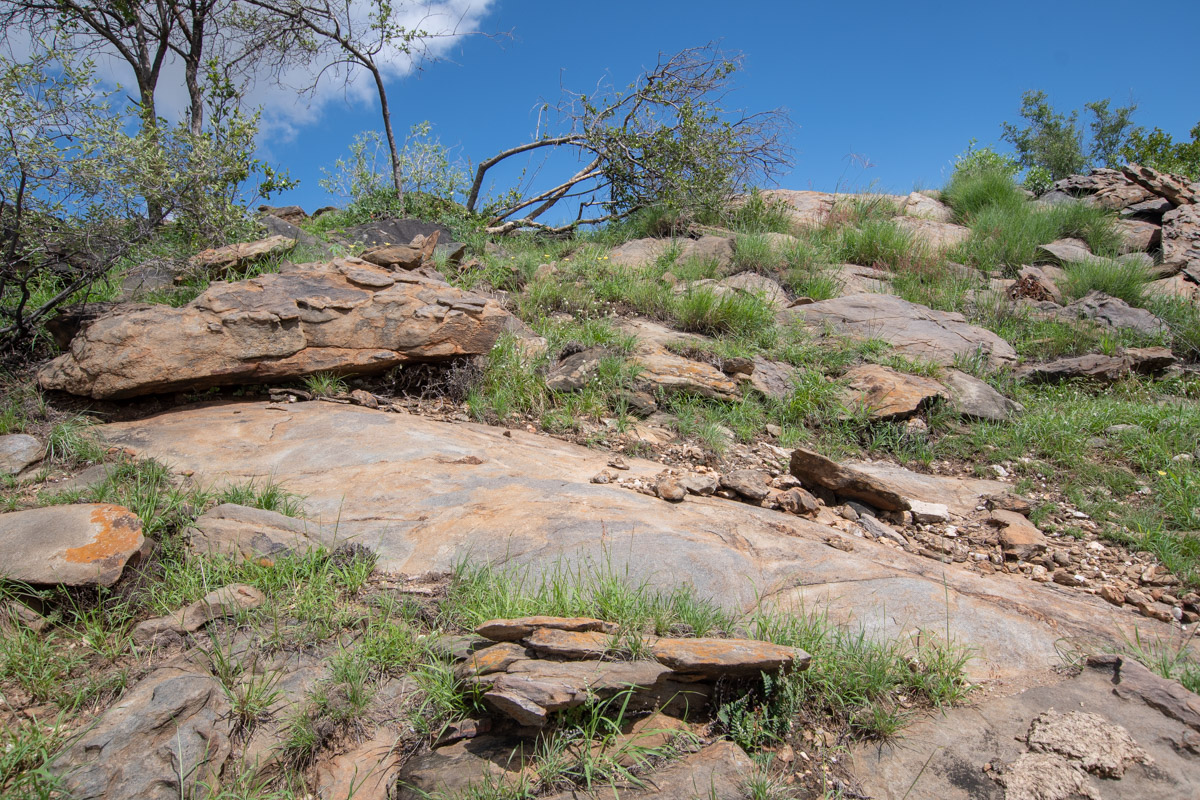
910 328
346 316
71 545
426 494
944 757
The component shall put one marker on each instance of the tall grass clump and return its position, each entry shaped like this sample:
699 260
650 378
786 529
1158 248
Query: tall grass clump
1126 280
970 192
510 383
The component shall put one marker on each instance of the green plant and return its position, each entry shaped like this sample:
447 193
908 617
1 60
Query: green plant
251 693
270 496
1038 179
1156 149
74 441
975 160
1055 142
26 749
325 384
1126 280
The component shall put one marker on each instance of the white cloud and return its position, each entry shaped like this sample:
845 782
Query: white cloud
285 107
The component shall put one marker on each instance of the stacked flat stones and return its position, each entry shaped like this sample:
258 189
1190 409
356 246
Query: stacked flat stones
533 666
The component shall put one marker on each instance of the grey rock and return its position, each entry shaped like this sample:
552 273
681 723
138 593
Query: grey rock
972 398
69 545
1152 208
1064 251
1181 238
911 329
881 530
167 735
1144 360
814 469
575 371
256 534
395 230
751 484
277 226
18 451
703 485
1112 312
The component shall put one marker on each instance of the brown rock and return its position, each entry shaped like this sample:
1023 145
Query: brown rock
716 658
1064 251
13 613
256 534
223 602
1096 744
1138 236
69 545
1113 595
718 772
798 501
934 235
577 645
344 316
670 489
1145 361
365 772
920 205
234 258
890 395
511 630
1019 538
497 658
814 469
1181 238
1134 681
1170 187
752 484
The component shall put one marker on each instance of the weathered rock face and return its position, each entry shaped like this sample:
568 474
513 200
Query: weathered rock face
345 316
814 469
419 493
1019 538
937 236
1181 238
974 399
71 545
671 372
1143 360
396 230
718 658
910 328
1169 187
222 602
18 451
808 209
1112 312
643 252
169 733
1064 251
255 534
1138 236
890 395
234 257
920 205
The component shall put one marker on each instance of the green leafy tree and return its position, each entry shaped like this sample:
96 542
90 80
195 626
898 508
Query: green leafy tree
1057 144
1157 149
666 140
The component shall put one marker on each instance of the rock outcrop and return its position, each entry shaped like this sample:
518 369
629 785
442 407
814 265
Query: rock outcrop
345 316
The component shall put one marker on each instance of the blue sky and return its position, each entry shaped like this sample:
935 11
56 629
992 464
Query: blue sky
905 85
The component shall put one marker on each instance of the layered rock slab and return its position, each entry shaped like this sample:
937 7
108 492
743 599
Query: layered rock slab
910 328
426 494
345 316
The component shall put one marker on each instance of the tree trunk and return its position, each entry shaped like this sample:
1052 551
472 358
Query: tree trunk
393 149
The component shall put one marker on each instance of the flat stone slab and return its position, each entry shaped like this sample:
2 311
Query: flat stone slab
960 495
910 328
426 494
18 451
716 658
256 534
944 756
70 545
886 394
511 630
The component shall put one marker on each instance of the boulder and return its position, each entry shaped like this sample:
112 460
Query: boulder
937 236
278 226
345 316
396 230
256 534
759 285
772 378
719 658
886 394
807 209
575 371
18 451
1151 209
1143 360
1138 236
664 369
1064 251
1181 238
1112 312
68 321
293 215
235 258
463 769
644 252
924 206
69 545
975 399
751 484
798 501
911 329
1019 538
169 734
1169 187
814 469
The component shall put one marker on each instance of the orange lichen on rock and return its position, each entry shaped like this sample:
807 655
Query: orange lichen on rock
119 531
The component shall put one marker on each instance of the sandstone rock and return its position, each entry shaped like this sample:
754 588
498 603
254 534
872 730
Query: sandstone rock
975 399
886 394
345 316
395 256
760 286
644 252
808 209
881 530
854 279
223 602
772 378
663 369
495 658
1064 251
751 484
18 451
1151 208
1143 360
14 614
937 236
511 630
293 214
814 469
911 329
1134 681
1112 312
365 772
1170 187
919 205
69 545
1090 740
798 501
234 258
255 534
1019 538
575 371
460 768
169 733
277 226
1138 236
718 658
928 513
670 489
1181 237
574 645
65 325
1045 776
718 772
